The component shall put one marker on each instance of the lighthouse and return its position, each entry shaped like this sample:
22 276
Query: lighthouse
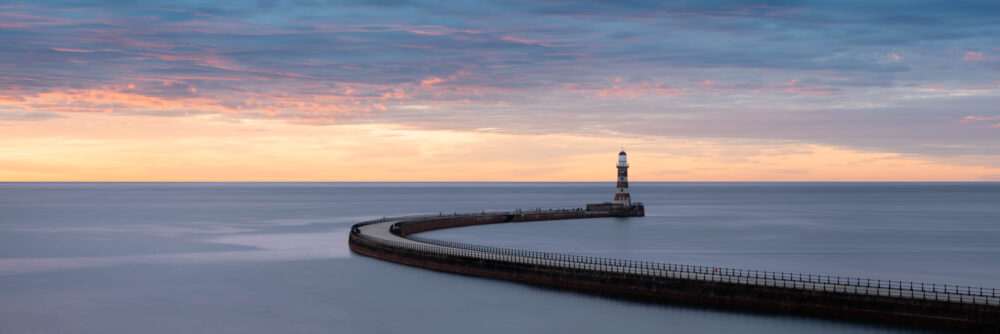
622 196
622 206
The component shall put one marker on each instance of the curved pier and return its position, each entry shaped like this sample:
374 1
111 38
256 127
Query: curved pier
904 303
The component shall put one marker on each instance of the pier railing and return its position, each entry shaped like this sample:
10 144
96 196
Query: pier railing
826 283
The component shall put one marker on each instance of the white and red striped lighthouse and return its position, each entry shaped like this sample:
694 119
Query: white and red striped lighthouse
621 192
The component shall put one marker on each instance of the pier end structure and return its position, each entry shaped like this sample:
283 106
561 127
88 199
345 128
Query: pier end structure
617 210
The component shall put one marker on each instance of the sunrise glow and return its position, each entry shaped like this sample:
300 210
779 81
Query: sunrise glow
489 92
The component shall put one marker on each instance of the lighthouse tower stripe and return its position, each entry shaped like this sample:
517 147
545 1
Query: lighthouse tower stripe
621 193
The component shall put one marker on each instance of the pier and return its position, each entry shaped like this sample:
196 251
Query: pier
849 298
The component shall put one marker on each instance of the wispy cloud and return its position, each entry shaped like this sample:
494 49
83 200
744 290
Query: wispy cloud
973 56
721 68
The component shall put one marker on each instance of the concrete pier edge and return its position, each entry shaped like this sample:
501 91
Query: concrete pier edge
387 239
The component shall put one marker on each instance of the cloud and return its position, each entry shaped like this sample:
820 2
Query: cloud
973 56
976 119
525 41
795 88
762 69
29 116
617 88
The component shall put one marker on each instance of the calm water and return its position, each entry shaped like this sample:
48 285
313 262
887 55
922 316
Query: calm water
273 257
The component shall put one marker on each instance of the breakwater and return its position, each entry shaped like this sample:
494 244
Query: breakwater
907 303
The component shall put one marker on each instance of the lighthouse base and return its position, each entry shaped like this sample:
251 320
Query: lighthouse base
619 210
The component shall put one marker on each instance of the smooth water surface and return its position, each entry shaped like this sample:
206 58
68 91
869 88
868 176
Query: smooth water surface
273 257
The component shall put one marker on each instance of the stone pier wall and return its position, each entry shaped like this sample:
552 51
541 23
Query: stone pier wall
883 309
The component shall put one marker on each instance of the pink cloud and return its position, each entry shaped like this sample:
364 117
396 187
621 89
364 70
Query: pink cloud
794 88
73 50
432 81
222 63
982 118
893 57
174 98
941 87
631 90
395 94
524 41
975 119
20 20
715 86
973 56
432 30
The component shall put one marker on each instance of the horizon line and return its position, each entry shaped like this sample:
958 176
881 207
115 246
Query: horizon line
605 181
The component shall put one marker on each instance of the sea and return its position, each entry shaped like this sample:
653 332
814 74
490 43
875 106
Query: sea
273 257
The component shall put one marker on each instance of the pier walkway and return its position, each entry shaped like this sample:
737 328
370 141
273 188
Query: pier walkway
950 305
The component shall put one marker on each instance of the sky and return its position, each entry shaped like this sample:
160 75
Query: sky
499 91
